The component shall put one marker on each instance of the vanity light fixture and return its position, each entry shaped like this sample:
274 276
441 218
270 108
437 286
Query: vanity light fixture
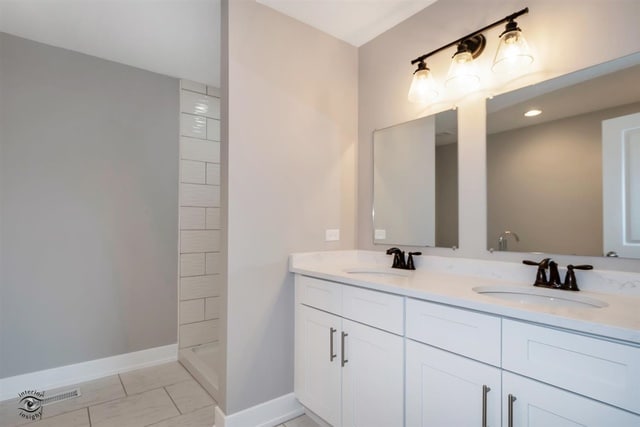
532 113
513 53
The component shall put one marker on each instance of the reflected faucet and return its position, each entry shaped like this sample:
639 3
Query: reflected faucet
502 240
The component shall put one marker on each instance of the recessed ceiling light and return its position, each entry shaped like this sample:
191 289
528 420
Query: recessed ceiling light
533 113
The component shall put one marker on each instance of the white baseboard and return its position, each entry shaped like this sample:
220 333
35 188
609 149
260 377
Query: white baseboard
267 414
86 371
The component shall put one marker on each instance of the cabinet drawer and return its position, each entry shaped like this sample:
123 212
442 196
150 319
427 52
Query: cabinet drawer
460 331
320 294
603 370
377 309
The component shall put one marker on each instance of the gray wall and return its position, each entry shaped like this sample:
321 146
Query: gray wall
88 217
292 117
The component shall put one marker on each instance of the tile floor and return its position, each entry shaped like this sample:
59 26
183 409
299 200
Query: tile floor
160 396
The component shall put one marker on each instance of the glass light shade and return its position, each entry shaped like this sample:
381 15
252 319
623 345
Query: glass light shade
513 54
463 76
423 87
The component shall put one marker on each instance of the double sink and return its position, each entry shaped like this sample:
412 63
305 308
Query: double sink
519 294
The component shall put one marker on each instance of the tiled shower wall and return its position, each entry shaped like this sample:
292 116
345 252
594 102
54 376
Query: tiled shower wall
199 287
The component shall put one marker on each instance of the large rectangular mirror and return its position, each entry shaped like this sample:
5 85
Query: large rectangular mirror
567 181
415 182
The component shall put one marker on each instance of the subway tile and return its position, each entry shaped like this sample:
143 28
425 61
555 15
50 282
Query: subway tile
199 149
193 126
193 86
199 241
213 173
213 91
213 218
201 418
154 377
189 396
198 333
192 218
191 311
200 286
213 262
213 129
134 411
192 264
212 308
199 104
193 172
196 195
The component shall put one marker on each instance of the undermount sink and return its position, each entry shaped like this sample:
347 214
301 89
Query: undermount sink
378 271
540 296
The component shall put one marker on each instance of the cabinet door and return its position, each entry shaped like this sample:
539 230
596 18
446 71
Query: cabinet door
541 405
317 369
444 389
372 377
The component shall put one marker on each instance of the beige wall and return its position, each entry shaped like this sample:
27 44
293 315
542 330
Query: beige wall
558 32
292 114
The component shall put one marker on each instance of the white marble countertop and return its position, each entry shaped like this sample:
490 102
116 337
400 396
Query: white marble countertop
451 281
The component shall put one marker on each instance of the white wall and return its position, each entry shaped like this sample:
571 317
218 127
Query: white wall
290 142
566 36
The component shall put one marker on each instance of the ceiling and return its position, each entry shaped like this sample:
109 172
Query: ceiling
354 21
177 37
171 37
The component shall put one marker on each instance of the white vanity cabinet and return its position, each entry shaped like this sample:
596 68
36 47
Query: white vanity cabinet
317 362
347 372
541 376
447 389
368 358
601 375
444 389
529 403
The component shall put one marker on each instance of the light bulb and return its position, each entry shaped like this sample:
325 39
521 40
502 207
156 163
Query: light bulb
423 86
513 54
463 77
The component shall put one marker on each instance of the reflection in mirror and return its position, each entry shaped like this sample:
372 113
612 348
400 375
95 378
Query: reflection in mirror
545 173
415 182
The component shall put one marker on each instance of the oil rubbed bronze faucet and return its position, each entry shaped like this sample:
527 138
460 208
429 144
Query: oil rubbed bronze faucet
398 259
570 283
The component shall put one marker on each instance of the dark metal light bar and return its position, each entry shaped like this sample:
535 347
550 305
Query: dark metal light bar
468 36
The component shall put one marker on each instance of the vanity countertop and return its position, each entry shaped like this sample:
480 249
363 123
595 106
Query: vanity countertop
451 281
